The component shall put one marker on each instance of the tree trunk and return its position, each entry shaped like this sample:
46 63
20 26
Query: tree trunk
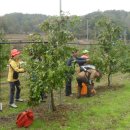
60 96
109 80
51 102
109 76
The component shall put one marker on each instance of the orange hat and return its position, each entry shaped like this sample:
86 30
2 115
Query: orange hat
15 52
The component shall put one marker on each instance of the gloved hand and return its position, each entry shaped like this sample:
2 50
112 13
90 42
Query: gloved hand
74 61
90 81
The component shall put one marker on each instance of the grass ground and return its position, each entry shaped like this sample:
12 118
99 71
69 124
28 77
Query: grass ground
109 109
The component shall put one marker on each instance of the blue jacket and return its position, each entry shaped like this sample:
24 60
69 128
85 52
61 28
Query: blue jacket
78 60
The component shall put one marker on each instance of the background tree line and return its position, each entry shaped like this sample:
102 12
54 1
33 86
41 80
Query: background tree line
28 23
21 23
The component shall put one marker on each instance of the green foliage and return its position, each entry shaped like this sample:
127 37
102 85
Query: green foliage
4 53
109 57
21 23
125 64
46 64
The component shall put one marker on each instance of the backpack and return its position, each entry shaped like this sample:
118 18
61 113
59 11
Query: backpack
25 119
15 74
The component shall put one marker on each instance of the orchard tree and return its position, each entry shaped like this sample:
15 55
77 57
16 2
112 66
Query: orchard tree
4 53
125 61
46 64
111 52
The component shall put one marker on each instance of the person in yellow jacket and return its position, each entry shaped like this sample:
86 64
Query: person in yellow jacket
13 74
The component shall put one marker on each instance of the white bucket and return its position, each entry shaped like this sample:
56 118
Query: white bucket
0 106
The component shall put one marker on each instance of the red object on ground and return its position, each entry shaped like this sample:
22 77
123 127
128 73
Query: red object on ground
25 119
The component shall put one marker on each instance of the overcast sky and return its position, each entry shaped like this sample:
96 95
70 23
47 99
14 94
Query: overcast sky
51 7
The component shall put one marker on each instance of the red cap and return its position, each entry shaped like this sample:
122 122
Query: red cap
15 52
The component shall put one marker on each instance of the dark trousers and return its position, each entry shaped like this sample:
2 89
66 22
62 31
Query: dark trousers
68 90
43 95
12 91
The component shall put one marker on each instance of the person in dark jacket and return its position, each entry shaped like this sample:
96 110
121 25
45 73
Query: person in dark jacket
73 59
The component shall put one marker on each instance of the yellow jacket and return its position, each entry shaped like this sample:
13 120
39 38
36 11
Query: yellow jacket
14 66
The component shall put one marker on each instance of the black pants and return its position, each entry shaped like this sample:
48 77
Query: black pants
12 90
68 89
43 95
